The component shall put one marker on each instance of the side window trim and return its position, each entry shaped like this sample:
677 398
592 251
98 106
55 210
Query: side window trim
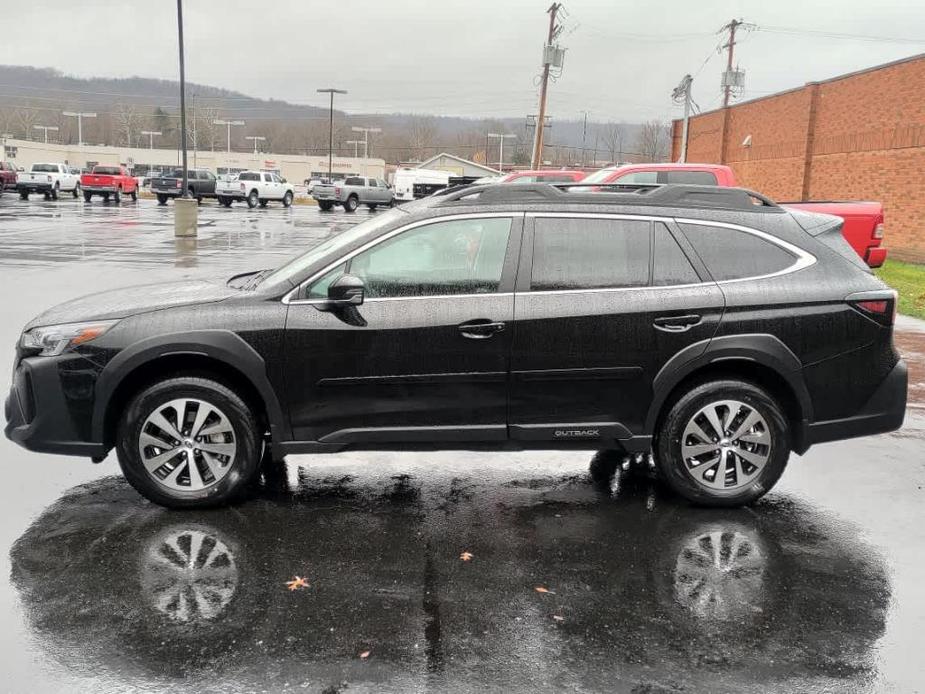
508 269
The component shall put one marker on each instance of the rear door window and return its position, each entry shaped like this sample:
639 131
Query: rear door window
372 183
580 253
670 265
732 254
638 177
353 181
700 178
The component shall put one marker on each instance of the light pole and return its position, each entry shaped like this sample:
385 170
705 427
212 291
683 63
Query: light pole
500 137
228 123
356 147
80 116
151 134
46 128
256 139
366 132
332 92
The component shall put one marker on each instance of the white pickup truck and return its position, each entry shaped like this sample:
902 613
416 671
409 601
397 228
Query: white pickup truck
48 179
255 188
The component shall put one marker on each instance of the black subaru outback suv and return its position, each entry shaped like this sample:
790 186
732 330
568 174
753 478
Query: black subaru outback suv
707 325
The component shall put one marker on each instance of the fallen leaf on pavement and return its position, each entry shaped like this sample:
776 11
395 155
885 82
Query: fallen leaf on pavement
466 556
541 589
364 655
558 618
296 583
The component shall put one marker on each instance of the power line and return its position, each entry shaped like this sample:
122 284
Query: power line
837 35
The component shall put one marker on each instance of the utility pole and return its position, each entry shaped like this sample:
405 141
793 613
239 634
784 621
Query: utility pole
332 92
727 86
584 135
549 57
46 128
500 137
80 117
228 123
151 134
185 187
683 92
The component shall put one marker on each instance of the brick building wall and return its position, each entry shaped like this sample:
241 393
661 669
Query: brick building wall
857 136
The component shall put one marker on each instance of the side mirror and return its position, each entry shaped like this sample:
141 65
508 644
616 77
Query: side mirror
347 290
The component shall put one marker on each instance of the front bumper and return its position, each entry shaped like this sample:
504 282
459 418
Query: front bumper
883 412
47 409
34 187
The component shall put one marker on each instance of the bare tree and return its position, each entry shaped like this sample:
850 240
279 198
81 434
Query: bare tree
127 122
421 134
25 119
615 141
653 140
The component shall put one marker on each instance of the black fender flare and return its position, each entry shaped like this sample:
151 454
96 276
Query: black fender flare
223 346
763 349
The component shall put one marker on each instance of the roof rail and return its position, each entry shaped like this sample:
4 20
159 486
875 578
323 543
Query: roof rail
662 194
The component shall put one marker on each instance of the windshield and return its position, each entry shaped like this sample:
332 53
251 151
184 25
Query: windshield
295 268
598 176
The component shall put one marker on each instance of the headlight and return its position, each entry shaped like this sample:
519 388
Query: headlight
53 340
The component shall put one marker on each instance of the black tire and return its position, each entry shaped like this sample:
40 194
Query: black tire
55 191
134 195
47 196
106 197
161 199
117 196
23 195
287 199
245 467
263 203
672 467
325 205
351 204
88 196
76 191
252 199
372 207
192 194
224 202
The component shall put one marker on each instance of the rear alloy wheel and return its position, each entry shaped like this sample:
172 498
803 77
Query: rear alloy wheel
724 443
350 205
189 442
287 199
76 191
252 199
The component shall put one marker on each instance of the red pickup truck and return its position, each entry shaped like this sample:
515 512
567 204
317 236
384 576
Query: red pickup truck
863 227
7 176
110 182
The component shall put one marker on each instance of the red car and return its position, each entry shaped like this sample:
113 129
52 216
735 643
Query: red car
544 176
110 182
7 176
863 227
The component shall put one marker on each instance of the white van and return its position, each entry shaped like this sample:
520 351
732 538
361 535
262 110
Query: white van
404 179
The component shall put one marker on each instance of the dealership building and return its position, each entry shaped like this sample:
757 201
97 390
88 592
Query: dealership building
859 136
294 167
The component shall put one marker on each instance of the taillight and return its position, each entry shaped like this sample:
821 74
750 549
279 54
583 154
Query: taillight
878 231
337 191
49 178
242 187
879 306
179 183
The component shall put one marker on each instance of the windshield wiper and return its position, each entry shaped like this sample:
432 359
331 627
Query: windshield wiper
257 278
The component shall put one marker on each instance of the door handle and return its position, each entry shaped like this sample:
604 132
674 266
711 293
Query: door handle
676 324
480 329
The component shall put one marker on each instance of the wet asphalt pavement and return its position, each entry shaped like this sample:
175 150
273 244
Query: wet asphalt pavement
818 588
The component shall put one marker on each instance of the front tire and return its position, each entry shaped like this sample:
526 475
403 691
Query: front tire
55 191
287 199
263 203
76 191
189 442
134 195
351 204
723 443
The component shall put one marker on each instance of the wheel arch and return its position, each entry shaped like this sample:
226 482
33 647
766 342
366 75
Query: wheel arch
761 359
223 355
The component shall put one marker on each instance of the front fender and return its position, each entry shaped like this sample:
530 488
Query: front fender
223 346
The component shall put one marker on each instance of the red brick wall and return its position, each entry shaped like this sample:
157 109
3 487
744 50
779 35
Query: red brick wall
867 142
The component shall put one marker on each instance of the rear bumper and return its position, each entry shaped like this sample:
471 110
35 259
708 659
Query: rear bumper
99 189
39 409
883 412
34 187
875 257
169 192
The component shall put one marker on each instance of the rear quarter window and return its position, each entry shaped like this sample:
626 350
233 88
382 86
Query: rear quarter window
699 178
732 254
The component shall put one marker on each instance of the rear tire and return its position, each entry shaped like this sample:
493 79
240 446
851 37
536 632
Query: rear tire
326 206
752 458
252 199
24 195
287 199
117 196
55 191
351 204
88 196
231 475
76 191
134 195
224 202
263 203
161 199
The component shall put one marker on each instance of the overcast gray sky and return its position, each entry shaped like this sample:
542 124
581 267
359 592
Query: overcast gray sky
476 58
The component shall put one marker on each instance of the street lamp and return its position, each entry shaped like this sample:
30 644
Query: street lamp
80 117
366 132
46 128
229 123
332 92
256 139
151 134
500 147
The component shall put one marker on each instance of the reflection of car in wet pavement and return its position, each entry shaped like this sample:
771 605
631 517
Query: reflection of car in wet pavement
643 591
